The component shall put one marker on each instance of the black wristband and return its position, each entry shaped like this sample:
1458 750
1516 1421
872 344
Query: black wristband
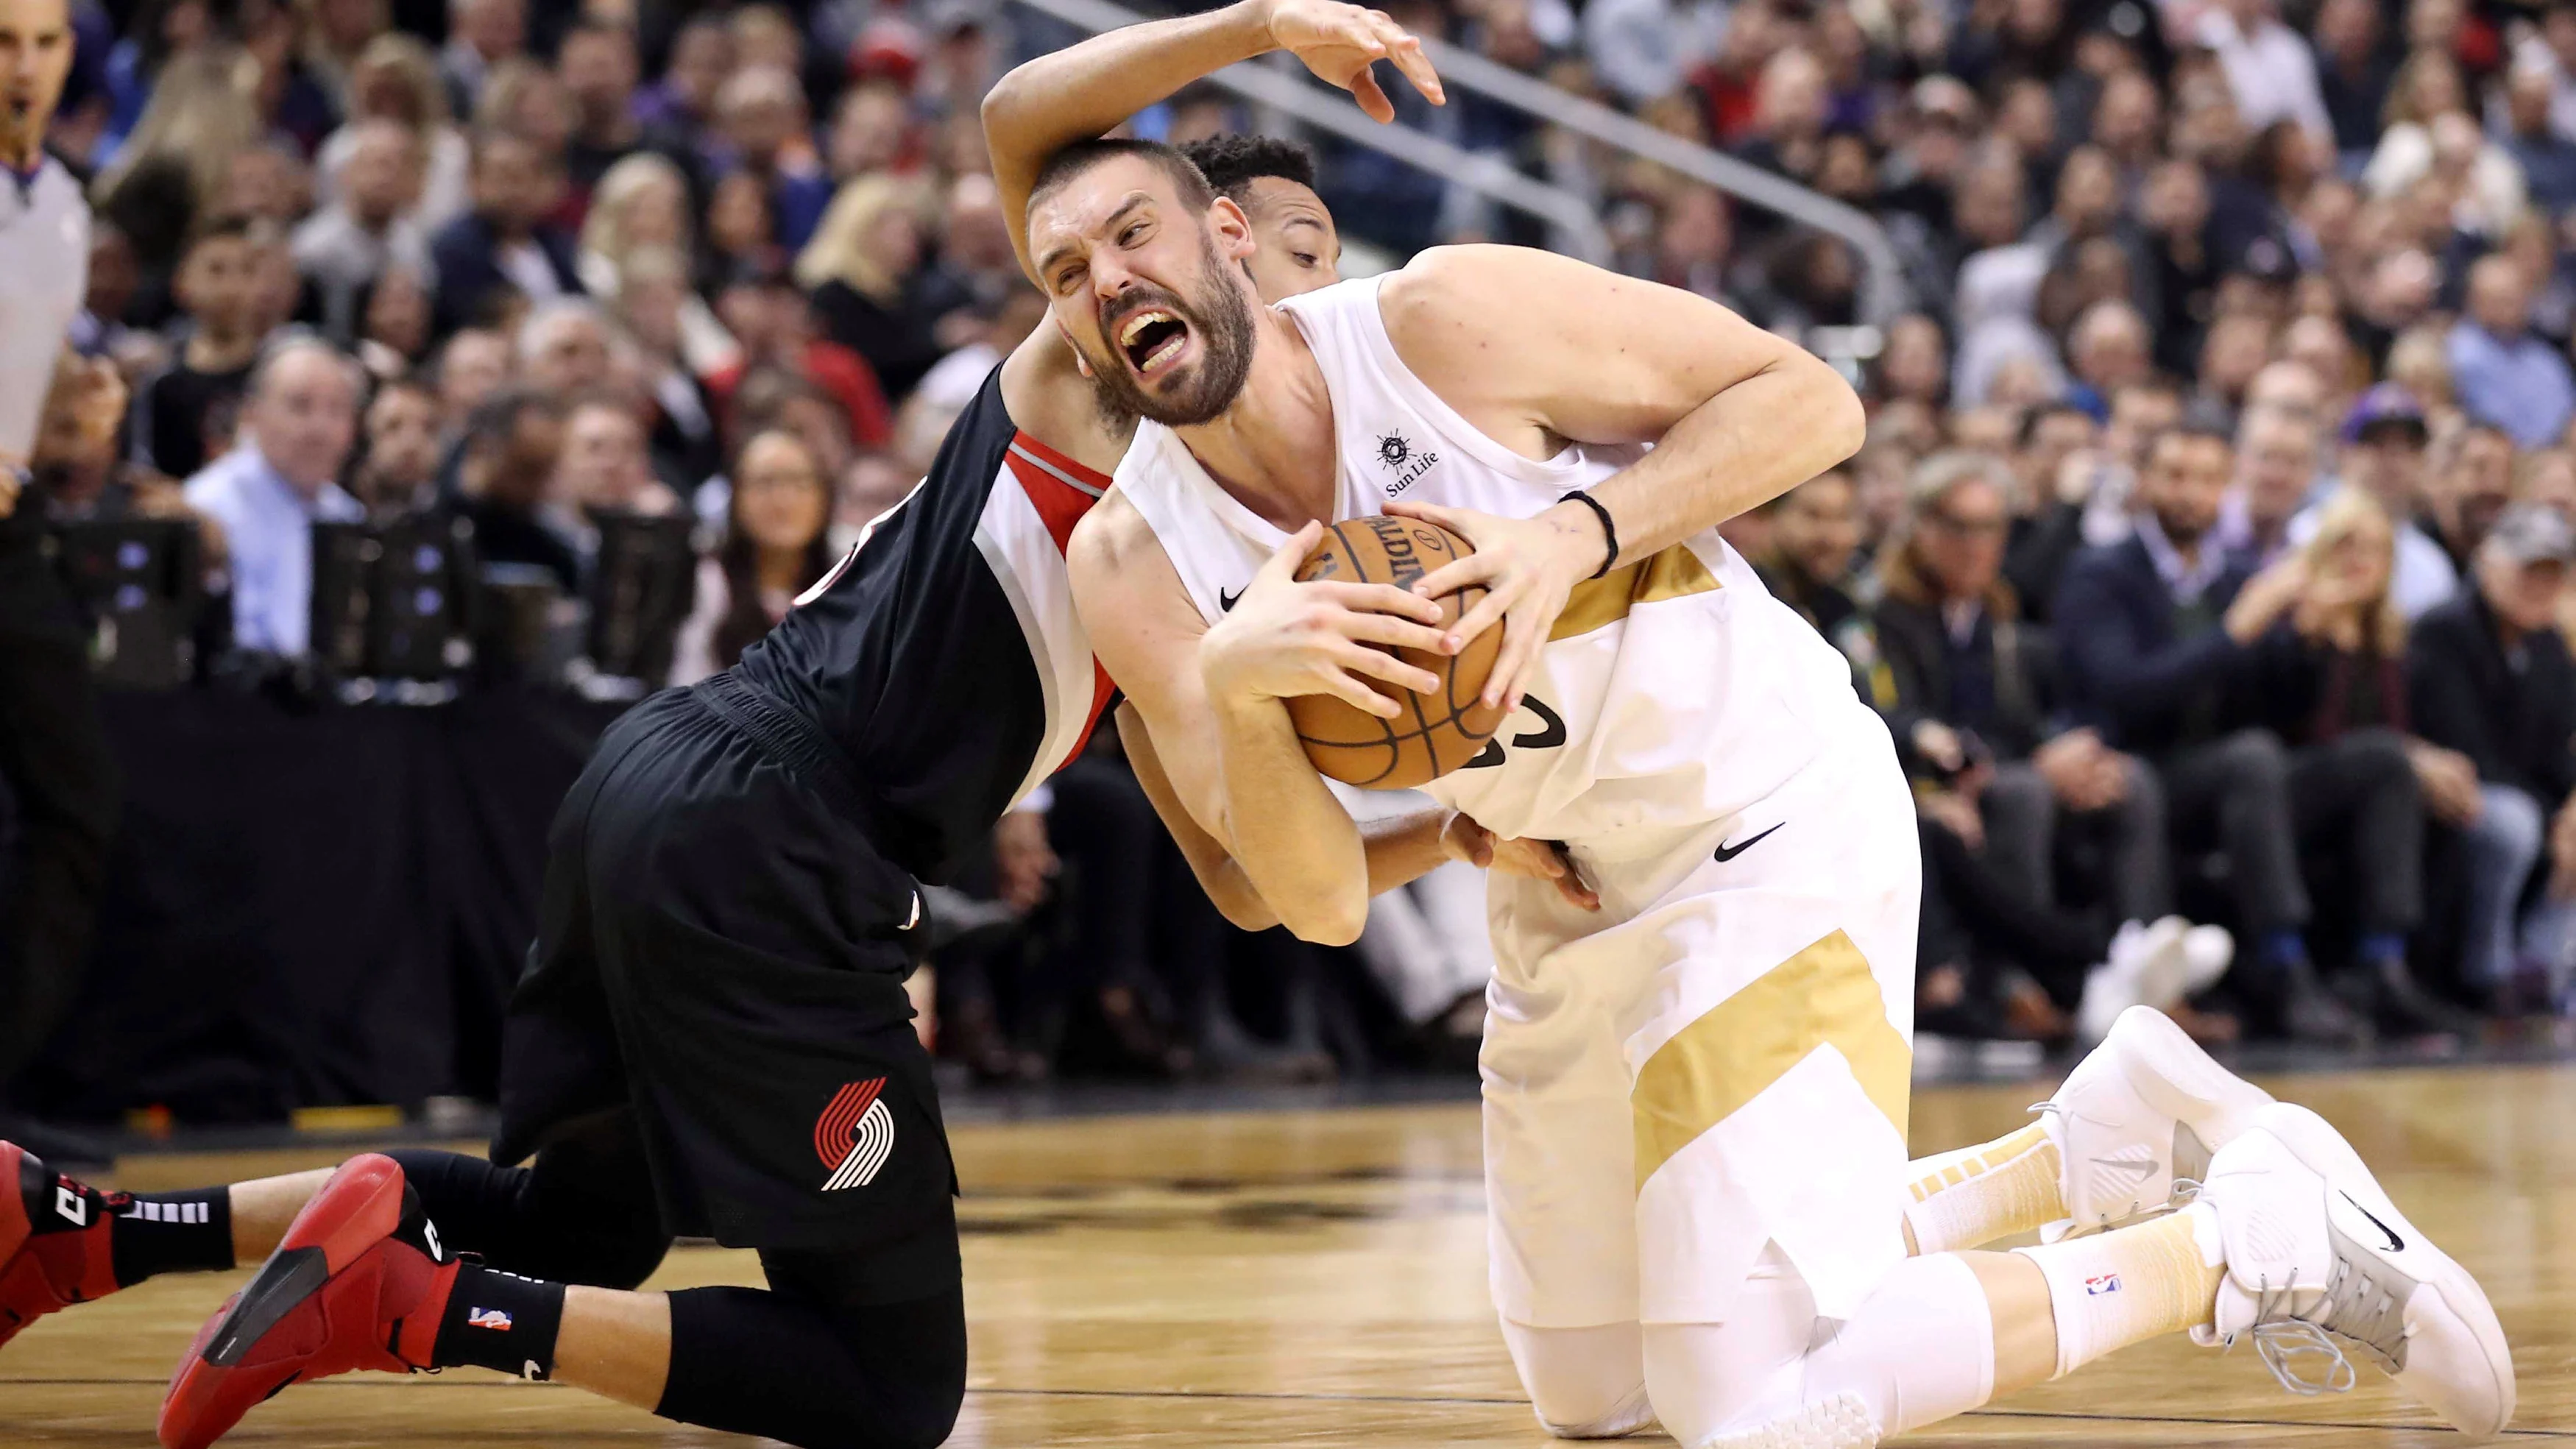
1609 530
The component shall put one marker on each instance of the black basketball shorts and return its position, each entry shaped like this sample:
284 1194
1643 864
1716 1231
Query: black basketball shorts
721 952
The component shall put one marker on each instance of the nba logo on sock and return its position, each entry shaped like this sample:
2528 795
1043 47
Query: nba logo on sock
2095 1287
854 1135
491 1318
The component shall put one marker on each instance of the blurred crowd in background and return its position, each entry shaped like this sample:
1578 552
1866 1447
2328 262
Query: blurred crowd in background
2207 556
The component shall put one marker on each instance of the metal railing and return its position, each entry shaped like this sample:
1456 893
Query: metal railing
1490 176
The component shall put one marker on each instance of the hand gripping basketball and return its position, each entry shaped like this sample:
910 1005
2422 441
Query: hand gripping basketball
1432 722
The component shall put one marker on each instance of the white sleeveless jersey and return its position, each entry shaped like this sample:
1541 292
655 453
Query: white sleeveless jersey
1673 691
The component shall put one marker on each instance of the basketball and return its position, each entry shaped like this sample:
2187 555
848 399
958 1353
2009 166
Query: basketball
1438 732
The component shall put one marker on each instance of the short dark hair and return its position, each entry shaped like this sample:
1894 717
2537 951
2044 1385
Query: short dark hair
2190 428
1232 163
2028 433
229 225
1081 156
495 420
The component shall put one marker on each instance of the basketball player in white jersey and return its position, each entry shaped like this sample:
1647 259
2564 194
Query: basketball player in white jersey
1695 1095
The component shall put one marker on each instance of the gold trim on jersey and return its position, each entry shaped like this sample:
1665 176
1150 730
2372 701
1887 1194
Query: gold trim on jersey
1822 996
1672 574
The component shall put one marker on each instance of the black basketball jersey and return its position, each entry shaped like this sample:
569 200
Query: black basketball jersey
943 654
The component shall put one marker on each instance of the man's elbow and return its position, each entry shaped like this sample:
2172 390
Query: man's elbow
1842 424
1336 922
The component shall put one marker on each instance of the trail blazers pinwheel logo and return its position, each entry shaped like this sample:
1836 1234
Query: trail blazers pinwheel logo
854 1135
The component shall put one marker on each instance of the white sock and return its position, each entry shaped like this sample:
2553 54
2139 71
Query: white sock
2119 1288
1990 1191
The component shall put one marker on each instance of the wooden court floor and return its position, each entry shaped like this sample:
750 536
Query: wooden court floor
1318 1279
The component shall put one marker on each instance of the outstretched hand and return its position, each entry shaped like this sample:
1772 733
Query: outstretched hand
1340 43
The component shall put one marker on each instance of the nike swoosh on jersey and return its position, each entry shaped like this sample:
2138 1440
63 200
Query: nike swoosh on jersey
1727 852
1225 601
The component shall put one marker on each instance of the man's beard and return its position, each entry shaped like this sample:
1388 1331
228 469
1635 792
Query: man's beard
1220 319
2179 530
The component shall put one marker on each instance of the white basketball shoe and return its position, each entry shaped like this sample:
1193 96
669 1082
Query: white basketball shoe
2145 1107
2319 1261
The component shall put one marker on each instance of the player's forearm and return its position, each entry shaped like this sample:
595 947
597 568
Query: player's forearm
1735 452
1296 844
1083 90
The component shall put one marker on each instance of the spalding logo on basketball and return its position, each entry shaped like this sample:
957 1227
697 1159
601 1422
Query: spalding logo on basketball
1438 732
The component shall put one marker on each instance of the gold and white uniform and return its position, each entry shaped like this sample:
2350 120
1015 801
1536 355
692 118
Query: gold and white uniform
1719 1058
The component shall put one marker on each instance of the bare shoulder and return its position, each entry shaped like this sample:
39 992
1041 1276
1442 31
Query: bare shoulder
1053 402
1481 288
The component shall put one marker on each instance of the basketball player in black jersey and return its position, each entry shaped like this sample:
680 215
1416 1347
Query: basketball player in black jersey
712 1038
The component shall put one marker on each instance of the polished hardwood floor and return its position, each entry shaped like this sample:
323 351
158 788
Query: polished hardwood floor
1317 1278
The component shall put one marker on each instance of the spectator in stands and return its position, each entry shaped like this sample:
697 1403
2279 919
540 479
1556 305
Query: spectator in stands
762 119
268 493
2331 678
2504 375
2154 635
2472 485
774 549
2355 71
2492 680
2547 158
217 292
775 326
397 470
505 242
1814 536
598 67
2384 456
2276 472
862 272
604 468
481 34
564 348
396 79
511 443
393 331
2269 67
171 171
2056 458
654 304
473 365
642 204
343 248
1959 657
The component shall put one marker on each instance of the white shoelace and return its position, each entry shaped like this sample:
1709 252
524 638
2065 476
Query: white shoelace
2356 1310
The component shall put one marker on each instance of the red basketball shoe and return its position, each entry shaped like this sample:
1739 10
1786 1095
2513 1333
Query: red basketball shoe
359 1282
67 1263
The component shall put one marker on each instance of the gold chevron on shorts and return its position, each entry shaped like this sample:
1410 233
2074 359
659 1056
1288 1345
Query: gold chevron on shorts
1593 603
1822 996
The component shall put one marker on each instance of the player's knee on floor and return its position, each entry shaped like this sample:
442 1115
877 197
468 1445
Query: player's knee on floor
1584 1383
1775 1376
806 1365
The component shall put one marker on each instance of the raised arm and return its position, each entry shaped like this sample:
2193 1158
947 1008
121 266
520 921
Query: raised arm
1738 416
1086 90
1219 738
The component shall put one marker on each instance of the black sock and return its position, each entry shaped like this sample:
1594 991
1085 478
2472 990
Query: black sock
500 1321
171 1232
